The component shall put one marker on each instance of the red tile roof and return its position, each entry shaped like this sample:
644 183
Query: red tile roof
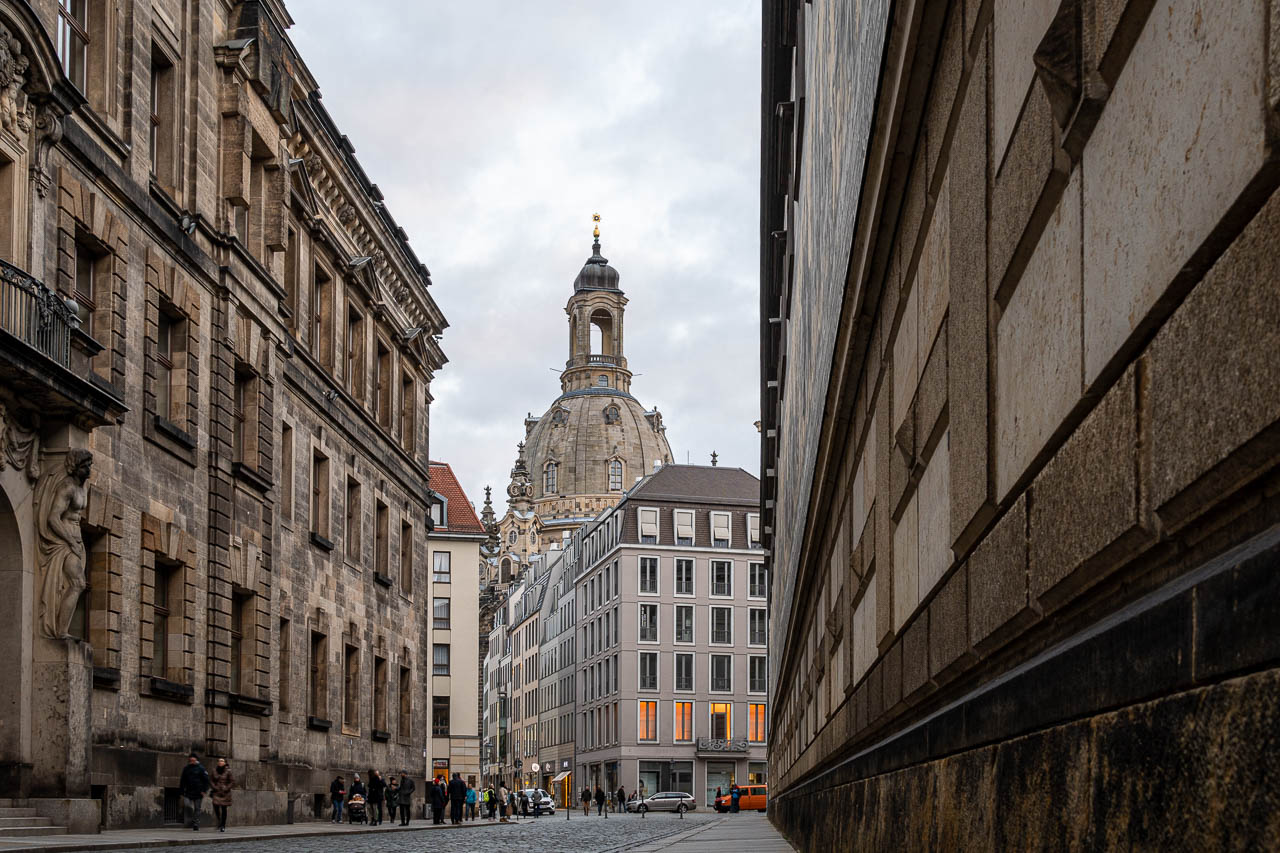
462 516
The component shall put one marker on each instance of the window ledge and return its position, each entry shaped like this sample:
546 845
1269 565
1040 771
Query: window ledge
381 579
251 476
175 432
319 724
163 688
251 705
106 678
321 542
380 735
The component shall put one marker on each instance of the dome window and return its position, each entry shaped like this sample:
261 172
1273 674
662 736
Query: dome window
549 479
615 475
602 380
612 415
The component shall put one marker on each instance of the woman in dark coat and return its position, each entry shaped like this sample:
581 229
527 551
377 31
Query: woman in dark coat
393 798
221 781
377 792
436 796
599 801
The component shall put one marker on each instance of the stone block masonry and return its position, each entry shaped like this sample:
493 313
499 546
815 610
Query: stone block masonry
1049 384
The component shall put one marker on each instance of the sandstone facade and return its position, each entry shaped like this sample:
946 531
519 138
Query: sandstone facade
1021 421
255 348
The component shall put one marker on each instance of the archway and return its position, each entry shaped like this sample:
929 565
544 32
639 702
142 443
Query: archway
15 645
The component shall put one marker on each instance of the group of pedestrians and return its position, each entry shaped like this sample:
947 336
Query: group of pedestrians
195 782
396 796
602 800
458 796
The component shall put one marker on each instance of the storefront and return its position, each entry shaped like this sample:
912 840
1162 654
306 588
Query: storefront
440 769
658 776
561 789
720 774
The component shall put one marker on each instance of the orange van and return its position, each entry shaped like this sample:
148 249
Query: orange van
749 797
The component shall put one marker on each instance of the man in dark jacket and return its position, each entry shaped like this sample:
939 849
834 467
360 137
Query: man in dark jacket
193 784
622 799
337 794
599 801
437 797
457 798
405 796
377 792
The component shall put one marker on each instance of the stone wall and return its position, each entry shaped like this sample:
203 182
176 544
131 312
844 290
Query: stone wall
1050 398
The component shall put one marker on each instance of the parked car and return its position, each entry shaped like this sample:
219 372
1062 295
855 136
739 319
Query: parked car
540 802
664 801
749 797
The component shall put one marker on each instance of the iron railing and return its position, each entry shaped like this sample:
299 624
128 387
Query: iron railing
603 359
36 315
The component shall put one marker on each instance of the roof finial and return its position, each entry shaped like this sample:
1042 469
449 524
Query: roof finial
714 457
595 232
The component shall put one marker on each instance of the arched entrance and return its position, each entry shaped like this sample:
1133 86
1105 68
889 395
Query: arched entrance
15 639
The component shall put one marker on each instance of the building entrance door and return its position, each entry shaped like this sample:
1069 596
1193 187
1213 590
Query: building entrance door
719 775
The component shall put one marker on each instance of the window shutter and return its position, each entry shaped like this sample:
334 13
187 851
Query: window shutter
684 524
648 522
720 525
753 529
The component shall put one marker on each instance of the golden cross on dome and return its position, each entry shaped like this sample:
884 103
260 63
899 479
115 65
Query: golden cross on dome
595 217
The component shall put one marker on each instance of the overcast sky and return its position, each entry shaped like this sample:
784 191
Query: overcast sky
496 129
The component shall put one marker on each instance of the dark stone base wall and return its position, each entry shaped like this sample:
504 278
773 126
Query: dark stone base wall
1193 771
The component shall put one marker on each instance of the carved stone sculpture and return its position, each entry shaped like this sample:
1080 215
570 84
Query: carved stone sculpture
13 68
60 500
20 441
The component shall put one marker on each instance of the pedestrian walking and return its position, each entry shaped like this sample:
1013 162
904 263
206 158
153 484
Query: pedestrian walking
622 799
599 801
524 804
472 798
735 794
193 784
405 797
337 794
458 792
511 804
393 798
502 802
586 802
221 782
377 793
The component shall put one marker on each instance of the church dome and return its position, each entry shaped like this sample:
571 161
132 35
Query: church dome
596 273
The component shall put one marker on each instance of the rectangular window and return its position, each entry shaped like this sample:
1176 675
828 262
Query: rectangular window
647 721
648 623
244 418
684 672
684 526
722 673
167 598
755 723
286 666
353 525
757 627
722 625
355 352
381 538
242 619
440 613
757 585
286 471
719 530
380 694
721 720
439 716
164 368
408 407
649 575
318 681
757 674
684 576
161 141
350 687
382 388
648 526
648 670
753 530
322 317
406 557
722 577
684 722
73 41
440 566
406 703
86 287
440 659
684 623
291 271
319 493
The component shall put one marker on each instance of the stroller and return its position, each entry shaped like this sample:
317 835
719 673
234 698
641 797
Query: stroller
356 811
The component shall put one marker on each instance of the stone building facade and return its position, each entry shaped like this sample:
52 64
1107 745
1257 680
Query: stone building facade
671 660
235 331
1021 422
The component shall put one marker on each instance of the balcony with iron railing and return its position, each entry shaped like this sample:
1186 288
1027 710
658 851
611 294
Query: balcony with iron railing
45 358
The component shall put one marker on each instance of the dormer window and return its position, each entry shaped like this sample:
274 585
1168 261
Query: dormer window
437 514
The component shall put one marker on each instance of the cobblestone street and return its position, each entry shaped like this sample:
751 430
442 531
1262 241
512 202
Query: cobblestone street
617 832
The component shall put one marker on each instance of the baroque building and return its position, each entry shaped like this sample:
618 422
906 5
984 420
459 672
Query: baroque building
216 350
596 439
1021 422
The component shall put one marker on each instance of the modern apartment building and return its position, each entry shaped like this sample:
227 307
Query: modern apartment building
557 653
671 603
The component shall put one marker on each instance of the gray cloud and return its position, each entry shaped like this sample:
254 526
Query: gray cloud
496 129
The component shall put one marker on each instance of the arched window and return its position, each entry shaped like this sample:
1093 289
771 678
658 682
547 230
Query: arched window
615 475
602 380
549 479
511 537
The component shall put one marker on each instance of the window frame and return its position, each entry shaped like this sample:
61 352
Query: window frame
728 720
764 614
692 538
728 520
692 565
764 681
652 608
657 671
711 673
752 567
712 564
693 673
657 574
676 720
757 717
692 610
647 722
711 625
